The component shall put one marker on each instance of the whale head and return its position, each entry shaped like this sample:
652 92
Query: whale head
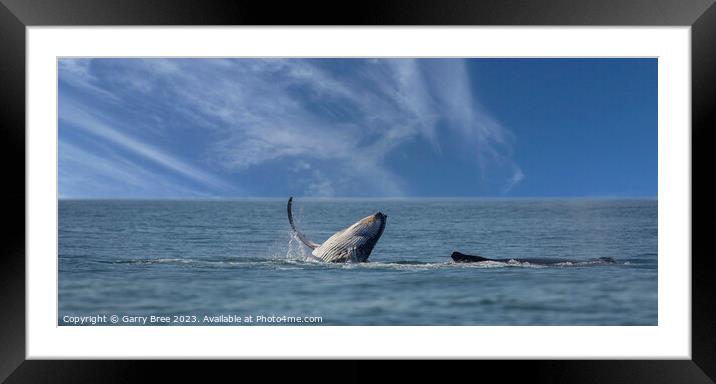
354 243
370 227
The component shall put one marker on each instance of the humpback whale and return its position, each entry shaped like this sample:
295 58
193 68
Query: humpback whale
463 258
354 243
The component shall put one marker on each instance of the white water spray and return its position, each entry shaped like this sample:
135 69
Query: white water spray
295 250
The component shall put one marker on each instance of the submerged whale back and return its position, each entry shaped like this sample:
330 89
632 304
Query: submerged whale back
459 257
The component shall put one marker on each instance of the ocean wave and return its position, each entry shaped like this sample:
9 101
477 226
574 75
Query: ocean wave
294 256
296 263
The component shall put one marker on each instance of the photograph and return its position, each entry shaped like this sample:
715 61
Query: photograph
499 183
357 191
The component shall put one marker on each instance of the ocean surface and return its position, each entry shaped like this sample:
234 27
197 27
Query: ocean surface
235 262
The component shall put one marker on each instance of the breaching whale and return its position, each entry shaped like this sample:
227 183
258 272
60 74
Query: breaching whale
354 243
463 258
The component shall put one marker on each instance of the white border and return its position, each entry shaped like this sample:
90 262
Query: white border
670 339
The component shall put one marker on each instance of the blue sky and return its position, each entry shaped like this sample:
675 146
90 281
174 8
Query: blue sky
202 128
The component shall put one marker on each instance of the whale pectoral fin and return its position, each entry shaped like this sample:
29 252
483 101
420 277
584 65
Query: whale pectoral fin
359 256
298 234
353 255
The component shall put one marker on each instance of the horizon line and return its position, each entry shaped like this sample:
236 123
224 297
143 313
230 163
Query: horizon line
225 198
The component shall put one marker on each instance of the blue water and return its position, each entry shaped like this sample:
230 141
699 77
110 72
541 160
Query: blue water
191 259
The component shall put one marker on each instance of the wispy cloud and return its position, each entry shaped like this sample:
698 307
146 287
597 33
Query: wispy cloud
72 114
104 173
341 121
516 178
482 134
76 73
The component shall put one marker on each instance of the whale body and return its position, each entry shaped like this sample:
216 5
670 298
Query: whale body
463 258
353 244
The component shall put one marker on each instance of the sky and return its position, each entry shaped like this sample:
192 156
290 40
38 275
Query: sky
231 128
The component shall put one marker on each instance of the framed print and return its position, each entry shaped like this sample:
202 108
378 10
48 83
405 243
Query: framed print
401 181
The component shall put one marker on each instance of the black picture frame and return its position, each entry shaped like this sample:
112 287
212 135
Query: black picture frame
16 15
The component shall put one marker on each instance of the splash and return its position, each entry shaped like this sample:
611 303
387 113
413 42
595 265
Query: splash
295 250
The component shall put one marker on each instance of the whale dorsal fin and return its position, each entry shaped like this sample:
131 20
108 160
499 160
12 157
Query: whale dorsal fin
300 235
463 258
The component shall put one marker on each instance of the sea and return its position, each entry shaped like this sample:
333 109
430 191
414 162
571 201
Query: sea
236 263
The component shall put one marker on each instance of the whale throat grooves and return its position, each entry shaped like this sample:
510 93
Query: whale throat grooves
354 243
